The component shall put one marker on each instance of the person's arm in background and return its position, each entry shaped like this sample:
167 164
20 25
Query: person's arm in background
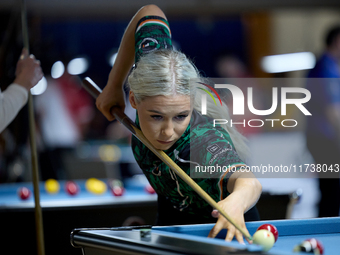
28 74
113 94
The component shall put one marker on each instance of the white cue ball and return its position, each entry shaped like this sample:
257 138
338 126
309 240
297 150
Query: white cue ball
264 238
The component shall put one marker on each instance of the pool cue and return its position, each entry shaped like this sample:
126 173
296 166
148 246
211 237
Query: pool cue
94 90
34 157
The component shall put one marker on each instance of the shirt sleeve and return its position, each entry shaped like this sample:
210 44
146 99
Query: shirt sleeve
11 101
217 160
152 33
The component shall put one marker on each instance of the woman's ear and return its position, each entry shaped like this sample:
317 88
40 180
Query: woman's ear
132 100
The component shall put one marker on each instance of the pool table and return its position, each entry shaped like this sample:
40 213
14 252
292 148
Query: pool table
191 239
63 212
134 192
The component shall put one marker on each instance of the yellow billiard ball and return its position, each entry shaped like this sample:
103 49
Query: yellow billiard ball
95 186
52 186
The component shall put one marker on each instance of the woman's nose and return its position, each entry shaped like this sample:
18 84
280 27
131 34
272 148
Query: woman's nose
168 130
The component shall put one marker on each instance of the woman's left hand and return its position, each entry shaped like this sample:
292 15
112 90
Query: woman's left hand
234 209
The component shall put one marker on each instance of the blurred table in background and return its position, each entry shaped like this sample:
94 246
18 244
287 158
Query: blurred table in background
63 212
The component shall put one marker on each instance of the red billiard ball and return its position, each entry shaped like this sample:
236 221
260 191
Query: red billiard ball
71 188
117 187
150 189
117 191
311 246
24 193
271 228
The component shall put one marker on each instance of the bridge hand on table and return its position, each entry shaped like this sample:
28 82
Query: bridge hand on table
236 213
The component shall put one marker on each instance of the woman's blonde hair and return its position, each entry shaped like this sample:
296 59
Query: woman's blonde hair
168 73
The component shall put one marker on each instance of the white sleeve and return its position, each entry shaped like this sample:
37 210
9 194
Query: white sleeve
11 101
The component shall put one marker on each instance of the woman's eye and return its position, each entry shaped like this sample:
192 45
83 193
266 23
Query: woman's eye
181 117
156 117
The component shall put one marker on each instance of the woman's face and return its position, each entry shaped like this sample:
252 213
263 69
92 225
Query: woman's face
163 119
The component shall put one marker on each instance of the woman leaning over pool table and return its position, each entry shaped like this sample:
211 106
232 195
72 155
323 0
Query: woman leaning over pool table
160 92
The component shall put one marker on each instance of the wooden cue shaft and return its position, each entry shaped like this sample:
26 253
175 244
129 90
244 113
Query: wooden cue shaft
94 90
34 157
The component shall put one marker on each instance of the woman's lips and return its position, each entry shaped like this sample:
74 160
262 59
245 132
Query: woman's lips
164 142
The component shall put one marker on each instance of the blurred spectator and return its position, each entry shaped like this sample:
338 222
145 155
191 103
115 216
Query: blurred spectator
230 66
323 127
28 73
64 111
234 69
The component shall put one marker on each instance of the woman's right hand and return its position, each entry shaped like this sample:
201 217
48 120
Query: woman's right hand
111 96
